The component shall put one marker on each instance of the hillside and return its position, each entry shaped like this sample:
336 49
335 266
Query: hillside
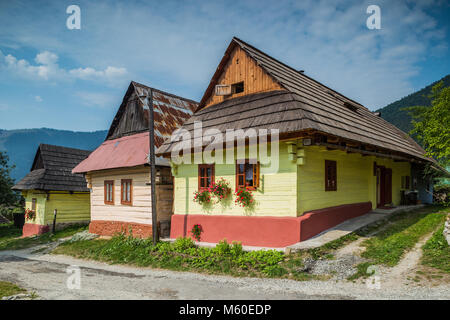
393 113
21 145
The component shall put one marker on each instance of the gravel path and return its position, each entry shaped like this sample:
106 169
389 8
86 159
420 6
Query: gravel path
406 266
46 275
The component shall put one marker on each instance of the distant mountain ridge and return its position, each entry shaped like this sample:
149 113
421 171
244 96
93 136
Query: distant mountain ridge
400 118
21 144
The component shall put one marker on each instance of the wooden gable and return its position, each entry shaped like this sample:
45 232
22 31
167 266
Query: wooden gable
131 119
238 68
38 162
170 111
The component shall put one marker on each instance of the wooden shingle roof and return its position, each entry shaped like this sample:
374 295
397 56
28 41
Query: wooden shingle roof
52 170
305 104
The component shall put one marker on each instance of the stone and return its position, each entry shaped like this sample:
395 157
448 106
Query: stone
83 235
447 229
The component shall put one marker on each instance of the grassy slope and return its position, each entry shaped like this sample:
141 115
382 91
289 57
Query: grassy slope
183 255
436 252
10 237
388 246
9 289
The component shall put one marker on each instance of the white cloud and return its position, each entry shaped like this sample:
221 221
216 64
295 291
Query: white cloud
109 74
96 99
178 45
47 68
38 98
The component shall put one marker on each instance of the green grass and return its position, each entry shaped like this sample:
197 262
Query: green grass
388 246
436 252
326 251
362 271
184 255
10 237
9 289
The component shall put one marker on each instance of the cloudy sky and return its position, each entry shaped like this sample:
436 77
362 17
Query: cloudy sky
54 77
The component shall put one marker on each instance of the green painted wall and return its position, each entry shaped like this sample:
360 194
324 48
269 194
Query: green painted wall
40 205
71 207
295 188
355 179
276 196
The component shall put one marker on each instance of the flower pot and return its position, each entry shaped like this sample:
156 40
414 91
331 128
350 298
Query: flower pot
19 220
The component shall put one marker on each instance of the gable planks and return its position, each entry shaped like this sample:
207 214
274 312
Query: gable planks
241 67
132 119
170 111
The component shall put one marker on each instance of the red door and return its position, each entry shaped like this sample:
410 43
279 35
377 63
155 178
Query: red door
384 186
388 188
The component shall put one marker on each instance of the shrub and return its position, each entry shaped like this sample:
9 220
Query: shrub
202 197
197 231
221 189
182 244
244 198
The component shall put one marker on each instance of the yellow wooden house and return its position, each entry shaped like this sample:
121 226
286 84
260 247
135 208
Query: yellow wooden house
51 185
335 159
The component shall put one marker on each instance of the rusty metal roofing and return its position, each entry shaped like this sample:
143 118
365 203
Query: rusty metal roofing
127 144
127 151
170 112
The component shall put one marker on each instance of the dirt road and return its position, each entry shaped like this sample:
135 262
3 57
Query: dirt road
47 276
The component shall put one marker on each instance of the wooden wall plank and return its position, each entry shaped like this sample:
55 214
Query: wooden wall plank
241 67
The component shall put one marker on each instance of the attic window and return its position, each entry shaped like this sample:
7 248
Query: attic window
350 106
237 87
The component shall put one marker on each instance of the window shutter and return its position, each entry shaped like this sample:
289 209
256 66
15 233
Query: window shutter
256 174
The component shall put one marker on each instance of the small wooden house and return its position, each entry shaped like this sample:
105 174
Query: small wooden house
337 159
118 171
51 185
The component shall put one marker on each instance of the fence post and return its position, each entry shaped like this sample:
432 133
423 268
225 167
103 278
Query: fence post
55 212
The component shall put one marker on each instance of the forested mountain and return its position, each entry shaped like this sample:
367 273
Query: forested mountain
21 145
400 118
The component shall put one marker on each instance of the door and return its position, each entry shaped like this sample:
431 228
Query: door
388 188
384 186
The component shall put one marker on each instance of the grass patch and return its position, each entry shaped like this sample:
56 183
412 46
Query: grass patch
9 289
326 251
362 271
184 255
10 237
436 252
388 246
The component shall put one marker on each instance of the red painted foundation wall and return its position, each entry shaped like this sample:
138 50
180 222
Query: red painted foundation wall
252 231
31 229
316 221
273 232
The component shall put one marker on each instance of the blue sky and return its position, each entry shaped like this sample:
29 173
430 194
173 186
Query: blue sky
54 77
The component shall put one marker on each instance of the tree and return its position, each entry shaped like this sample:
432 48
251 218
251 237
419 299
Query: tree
7 196
432 124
